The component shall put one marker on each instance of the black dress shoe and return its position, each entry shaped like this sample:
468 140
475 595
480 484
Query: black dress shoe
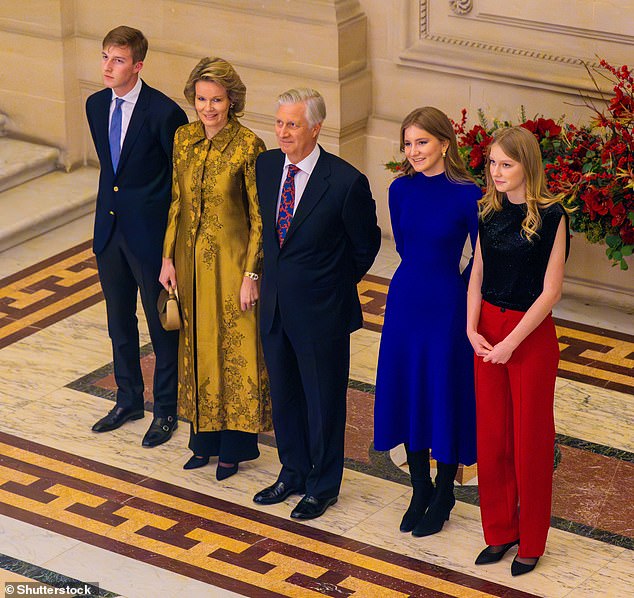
116 418
488 555
160 430
222 472
274 494
310 507
196 461
518 568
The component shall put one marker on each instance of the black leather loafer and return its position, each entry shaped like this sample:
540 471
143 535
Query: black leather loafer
488 555
116 418
160 430
274 494
310 507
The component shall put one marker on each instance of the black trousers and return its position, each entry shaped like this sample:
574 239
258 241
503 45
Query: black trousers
123 276
309 381
230 446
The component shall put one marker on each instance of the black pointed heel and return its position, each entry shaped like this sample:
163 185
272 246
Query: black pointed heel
489 556
222 473
195 461
518 568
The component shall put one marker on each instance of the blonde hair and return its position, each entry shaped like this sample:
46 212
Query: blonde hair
218 70
520 145
438 125
312 99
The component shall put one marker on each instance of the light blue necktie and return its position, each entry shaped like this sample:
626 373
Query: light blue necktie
115 134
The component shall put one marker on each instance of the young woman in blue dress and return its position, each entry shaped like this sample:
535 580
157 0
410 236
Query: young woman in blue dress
517 278
424 388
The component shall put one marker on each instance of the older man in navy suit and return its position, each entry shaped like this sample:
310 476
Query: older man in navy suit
320 236
133 126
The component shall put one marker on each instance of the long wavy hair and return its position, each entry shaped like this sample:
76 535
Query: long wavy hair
520 145
437 124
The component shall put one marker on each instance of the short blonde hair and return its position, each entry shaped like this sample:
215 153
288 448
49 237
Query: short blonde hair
218 70
312 99
127 37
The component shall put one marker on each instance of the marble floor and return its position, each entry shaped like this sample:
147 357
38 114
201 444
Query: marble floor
77 507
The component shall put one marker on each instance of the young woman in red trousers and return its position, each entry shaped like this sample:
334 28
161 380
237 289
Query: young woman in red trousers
516 280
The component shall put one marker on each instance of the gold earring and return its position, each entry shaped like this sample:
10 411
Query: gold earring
444 152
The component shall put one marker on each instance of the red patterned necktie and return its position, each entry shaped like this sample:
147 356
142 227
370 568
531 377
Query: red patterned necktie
287 203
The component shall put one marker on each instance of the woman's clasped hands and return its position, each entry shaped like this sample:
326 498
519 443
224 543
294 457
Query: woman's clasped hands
499 353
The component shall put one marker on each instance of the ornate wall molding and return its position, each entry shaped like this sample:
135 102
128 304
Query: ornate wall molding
461 7
486 40
425 34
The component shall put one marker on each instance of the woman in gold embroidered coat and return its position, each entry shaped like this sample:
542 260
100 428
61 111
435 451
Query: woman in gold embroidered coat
212 248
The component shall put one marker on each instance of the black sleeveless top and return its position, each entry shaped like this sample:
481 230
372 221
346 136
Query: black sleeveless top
514 267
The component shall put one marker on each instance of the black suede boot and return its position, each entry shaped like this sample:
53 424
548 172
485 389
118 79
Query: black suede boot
422 486
442 501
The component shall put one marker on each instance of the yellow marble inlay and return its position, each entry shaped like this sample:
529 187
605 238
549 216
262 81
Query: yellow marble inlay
49 310
201 554
209 541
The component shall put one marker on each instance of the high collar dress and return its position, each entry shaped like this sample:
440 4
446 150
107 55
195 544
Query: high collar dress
214 235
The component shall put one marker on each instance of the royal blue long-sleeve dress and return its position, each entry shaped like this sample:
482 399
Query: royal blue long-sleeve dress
424 387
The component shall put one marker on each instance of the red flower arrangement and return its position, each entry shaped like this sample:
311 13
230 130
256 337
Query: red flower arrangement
591 166
594 170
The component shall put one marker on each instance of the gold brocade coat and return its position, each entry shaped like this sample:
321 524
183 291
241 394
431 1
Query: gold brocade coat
214 235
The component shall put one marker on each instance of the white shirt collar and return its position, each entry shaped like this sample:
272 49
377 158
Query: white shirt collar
306 165
133 95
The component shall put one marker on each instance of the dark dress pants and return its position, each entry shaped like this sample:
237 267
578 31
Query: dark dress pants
122 277
230 446
309 381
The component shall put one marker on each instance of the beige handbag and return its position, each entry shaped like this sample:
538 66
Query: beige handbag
168 309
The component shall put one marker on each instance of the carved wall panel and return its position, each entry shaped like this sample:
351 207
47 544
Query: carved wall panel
517 41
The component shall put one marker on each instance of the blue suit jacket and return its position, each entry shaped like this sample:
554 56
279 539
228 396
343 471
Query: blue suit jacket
330 244
138 195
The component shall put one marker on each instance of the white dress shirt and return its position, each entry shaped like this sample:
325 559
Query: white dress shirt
126 108
306 167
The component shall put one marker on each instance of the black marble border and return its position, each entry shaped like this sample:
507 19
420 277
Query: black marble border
46 576
593 447
87 384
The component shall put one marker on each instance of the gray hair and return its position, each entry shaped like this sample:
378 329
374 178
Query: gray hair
315 104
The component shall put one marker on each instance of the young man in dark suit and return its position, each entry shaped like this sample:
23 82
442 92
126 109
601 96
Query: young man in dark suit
133 126
320 236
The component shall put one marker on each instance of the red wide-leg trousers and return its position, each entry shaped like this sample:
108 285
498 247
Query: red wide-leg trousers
516 433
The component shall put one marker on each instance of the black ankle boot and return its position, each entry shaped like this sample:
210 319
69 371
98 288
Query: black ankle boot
442 502
423 488
421 498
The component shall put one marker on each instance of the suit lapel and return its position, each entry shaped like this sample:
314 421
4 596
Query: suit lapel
101 122
315 190
136 124
270 195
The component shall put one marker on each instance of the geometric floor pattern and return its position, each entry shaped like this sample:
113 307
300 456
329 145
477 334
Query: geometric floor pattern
209 539
68 282
175 523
